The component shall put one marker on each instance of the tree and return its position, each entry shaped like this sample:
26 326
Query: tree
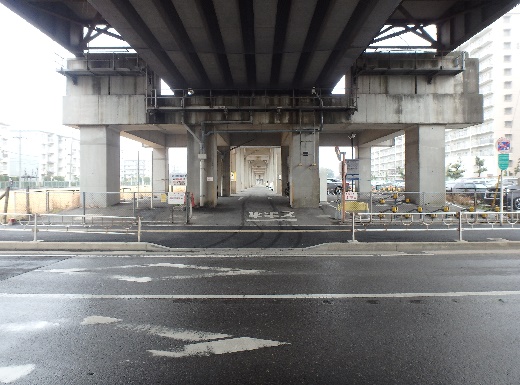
400 172
480 165
328 172
517 168
455 170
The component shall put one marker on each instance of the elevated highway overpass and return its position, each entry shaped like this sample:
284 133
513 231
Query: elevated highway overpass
260 73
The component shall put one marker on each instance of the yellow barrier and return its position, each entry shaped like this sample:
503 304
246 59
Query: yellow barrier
353 206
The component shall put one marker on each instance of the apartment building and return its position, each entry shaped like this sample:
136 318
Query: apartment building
37 155
498 50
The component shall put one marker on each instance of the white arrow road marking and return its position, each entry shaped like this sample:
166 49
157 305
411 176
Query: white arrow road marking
26 326
10 374
232 345
214 343
219 271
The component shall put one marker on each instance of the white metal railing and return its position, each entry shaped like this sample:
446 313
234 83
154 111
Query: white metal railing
435 221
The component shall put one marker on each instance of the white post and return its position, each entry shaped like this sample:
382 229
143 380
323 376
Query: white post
35 238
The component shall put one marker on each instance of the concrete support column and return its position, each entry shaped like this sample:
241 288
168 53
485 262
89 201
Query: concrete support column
424 162
284 150
211 171
239 170
277 169
365 164
225 171
304 175
160 170
271 169
100 165
193 165
233 168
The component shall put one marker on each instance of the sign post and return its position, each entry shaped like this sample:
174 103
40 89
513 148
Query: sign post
343 183
504 149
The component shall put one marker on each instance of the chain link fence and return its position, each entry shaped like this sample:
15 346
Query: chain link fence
149 206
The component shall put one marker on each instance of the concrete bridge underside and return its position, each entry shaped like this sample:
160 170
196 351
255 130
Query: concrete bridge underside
418 96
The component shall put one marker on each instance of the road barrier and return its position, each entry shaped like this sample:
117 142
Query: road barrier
434 221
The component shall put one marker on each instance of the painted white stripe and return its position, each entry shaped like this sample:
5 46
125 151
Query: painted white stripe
10 374
233 345
64 271
131 279
97 319
261 296
271 220
26 326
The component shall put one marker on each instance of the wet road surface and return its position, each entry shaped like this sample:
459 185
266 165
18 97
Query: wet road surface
425 318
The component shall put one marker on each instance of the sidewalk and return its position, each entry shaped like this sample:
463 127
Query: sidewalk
260 207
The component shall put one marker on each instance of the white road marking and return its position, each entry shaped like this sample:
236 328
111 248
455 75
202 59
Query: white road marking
131 279
271 220
97 320
64 271
162 331
219 271
261 296
233 345
26 326
10 374
176 334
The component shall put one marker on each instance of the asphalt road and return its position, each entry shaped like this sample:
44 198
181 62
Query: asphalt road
426 318
261 237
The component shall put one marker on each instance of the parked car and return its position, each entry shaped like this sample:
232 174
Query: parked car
511 196
470 188
334 186
449 185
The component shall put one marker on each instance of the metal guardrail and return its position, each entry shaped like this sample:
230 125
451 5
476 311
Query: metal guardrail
434 221
85 222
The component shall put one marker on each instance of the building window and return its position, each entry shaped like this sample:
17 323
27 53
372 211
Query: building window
507 58
508 85
507 45
507 32
508 124
508 71
507 18
508 111
508 98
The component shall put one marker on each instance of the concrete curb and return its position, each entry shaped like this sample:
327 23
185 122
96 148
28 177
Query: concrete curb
82 246
329 248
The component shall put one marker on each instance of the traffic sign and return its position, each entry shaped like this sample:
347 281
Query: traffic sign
503 161
176 198
504 145
352 168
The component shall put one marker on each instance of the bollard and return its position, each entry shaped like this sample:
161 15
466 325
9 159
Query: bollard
460 227
353 227
138 229
35 238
